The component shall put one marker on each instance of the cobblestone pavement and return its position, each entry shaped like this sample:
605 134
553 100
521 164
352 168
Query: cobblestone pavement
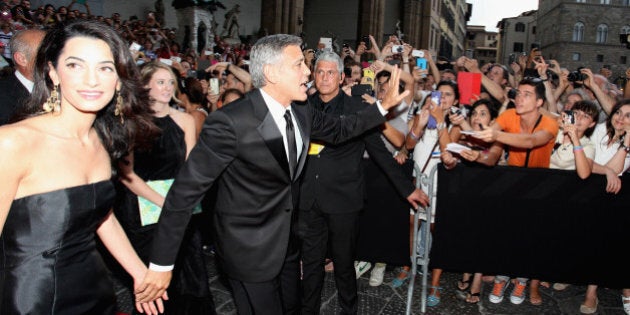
385 300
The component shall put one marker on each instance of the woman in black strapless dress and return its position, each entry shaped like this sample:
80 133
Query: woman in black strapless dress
189 292
55 167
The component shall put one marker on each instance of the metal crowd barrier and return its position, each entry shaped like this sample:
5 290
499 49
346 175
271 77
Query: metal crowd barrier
417 257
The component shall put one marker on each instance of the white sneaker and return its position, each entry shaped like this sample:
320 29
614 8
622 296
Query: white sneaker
518 293
626 303
498 290
376 277
361 267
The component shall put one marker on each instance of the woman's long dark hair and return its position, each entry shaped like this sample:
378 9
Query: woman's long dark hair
118 138
610 131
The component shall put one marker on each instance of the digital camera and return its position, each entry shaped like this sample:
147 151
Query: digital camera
397 49
577 75
569 118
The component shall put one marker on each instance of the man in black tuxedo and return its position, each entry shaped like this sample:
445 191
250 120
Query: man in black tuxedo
16 88
254 151
332 192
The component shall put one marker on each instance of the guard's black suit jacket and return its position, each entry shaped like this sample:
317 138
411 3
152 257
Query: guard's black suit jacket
334 178
13 94
241 150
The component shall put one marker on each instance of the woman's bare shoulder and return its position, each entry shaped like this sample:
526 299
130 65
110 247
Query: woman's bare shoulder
18 136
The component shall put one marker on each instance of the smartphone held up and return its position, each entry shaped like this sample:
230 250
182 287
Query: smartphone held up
436 97
213 85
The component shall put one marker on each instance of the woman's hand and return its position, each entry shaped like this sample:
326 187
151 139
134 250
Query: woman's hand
613 183
571 131
423 118
456 119
470 155
448 159
401 157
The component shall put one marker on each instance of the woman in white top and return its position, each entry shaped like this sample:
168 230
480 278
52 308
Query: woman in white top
611 159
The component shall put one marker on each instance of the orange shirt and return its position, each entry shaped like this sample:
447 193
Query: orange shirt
540 156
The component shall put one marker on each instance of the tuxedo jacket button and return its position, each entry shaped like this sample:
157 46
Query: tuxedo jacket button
287 210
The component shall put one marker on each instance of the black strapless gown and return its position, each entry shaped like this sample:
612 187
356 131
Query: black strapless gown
189 292
49 262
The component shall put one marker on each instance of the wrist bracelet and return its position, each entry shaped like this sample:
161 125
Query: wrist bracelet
413 135
578 148
440 126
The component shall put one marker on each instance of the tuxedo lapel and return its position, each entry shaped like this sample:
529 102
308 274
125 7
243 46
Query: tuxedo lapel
300 115
268 130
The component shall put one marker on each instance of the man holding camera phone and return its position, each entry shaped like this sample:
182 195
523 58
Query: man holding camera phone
332 192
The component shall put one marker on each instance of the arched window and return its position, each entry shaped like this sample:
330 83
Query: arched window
578 32
604 1
602 33
519 27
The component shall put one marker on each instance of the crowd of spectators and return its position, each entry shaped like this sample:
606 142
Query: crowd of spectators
524 114
154 39
530 113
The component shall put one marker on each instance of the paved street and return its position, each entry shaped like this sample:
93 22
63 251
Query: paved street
387 300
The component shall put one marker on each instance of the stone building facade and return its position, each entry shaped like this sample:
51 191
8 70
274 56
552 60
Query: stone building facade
436 25
585 33
481 44
517 35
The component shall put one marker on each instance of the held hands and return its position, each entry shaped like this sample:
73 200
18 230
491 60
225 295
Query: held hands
418 197
153 286
151 307
392 97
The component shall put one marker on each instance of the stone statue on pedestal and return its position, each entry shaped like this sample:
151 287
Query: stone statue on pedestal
195 22
230 32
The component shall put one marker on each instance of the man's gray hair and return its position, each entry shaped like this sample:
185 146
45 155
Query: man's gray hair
21 45
266 51
330 57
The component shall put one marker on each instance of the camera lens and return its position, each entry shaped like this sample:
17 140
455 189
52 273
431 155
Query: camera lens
576 76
